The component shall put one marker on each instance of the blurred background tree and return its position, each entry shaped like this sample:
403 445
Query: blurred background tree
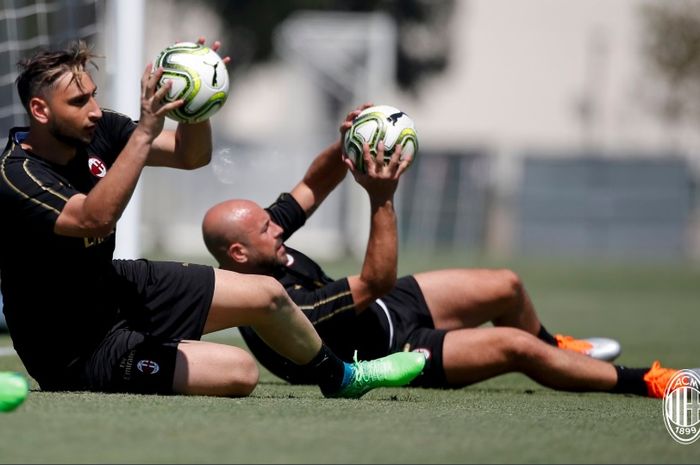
671 49
423 45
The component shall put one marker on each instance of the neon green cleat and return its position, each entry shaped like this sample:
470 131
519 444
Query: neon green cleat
13 390
393 370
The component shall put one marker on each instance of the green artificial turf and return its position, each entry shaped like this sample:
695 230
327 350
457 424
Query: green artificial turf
654 311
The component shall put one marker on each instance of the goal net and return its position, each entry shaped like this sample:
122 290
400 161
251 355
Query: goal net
27 25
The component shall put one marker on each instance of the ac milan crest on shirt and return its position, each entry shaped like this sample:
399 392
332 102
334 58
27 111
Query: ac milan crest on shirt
97 166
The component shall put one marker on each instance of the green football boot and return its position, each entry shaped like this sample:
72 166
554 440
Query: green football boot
393 370
13 390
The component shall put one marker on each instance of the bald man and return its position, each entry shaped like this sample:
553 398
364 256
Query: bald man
437 313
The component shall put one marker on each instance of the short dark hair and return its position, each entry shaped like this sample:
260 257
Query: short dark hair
44 68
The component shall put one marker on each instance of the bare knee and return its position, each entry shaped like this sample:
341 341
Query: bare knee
244 377
210 369
522 349
235 378
512 289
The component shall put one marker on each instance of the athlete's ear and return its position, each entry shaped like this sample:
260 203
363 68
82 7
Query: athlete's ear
39 110
238 252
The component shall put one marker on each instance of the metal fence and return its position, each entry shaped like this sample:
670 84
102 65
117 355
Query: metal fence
628 207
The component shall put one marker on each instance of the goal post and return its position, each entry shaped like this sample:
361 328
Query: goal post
124 44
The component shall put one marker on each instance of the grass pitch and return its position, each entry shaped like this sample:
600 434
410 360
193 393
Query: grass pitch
652 310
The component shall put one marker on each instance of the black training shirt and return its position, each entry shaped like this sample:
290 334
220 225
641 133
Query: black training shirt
55 288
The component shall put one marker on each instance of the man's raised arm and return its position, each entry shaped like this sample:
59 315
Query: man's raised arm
378 274
190 145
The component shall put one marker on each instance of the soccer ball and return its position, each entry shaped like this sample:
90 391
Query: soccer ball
381 122
198 76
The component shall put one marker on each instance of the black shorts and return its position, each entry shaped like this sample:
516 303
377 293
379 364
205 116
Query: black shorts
412 329
160 304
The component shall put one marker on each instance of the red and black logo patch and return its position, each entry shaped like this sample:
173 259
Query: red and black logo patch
97 166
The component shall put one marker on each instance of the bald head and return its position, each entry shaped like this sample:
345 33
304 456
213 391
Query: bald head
226 223
242 237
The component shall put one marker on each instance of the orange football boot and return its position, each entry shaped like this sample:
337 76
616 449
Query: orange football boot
600 348
657 379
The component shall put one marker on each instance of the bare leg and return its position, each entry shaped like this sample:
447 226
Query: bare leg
209 369
473 355
262 303
466 298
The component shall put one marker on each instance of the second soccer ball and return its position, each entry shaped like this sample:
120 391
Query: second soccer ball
381 122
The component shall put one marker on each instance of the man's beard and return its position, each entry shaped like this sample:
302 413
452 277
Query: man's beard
270 265
58 132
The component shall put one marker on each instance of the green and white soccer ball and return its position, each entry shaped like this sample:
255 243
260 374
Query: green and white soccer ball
198 76
381 122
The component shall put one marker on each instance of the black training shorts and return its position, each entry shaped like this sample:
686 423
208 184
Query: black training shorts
413 330
160 304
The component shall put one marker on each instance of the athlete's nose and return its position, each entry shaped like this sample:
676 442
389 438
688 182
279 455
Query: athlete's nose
95 110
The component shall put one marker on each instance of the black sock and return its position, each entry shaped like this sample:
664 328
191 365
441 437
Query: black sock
546 336
631 381
327 369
